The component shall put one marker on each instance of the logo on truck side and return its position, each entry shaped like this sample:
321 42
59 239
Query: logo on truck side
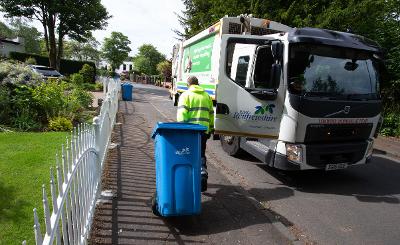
262 113
262 110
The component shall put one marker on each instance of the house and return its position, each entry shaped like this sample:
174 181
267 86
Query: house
126 66
11 45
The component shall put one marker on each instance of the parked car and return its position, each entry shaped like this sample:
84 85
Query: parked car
46 72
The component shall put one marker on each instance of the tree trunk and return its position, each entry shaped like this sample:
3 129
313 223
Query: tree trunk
60 46
52 42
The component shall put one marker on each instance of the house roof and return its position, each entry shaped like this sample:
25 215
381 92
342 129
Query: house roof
4 40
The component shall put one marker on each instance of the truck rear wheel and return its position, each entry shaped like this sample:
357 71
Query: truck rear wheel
230 144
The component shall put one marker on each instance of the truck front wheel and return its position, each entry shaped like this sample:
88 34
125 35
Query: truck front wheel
230 144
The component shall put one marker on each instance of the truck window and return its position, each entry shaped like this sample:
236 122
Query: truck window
241 70
262 71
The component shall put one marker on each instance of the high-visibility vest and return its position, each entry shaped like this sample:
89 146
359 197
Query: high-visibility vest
196 106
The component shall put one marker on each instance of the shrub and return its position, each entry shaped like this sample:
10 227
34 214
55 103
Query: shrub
77 79
99 86
81 98
18 74
391 125
60 124
67 66
51 98
30 61
88 73
25 122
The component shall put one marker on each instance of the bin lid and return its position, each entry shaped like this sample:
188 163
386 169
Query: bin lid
128 84
177 126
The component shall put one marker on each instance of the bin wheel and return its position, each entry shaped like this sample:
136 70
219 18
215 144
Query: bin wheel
176 99
154 205
230 144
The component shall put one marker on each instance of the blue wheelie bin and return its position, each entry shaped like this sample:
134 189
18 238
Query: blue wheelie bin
178 162
127 91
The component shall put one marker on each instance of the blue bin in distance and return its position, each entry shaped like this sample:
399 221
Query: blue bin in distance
127 91
178 161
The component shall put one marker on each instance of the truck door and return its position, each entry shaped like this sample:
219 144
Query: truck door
250 96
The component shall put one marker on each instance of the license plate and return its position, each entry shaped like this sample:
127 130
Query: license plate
336 166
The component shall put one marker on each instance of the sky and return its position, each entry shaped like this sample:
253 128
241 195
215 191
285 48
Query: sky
143 21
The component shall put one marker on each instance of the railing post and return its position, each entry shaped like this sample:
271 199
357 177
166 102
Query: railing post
96 125
36 227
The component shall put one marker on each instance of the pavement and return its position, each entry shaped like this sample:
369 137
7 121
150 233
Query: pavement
123 214
389 146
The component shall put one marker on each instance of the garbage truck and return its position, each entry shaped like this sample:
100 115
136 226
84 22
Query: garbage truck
295 98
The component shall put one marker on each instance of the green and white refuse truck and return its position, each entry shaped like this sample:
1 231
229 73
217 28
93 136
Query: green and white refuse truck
295 98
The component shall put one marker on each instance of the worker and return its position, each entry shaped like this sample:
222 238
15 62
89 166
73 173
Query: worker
196 106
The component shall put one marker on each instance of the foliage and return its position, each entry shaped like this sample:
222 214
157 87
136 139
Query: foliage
80 98
29 104
62 18
77 79
30 61
18 74
60 124
87 73
51 98
164 68
99 86
391 125
83 51
5 31
30 34
24 161
116 49
68 66
147 59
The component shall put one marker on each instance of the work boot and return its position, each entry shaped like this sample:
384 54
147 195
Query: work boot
204 175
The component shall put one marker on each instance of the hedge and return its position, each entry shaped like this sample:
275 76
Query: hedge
68 67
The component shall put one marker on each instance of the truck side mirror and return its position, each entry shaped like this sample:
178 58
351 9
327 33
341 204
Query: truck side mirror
277 50
275 75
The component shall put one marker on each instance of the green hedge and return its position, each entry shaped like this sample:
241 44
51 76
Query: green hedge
67 66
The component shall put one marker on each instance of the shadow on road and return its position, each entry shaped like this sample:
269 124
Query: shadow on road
377 181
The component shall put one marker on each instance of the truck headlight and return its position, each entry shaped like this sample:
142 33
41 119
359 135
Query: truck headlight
294 153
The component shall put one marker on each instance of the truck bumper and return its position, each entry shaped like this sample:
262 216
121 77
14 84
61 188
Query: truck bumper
318 156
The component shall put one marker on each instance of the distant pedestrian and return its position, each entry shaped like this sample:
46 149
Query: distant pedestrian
196 106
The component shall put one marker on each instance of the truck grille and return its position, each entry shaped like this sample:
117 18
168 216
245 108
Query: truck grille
320 133
319 155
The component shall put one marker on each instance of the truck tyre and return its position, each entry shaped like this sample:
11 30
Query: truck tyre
230 144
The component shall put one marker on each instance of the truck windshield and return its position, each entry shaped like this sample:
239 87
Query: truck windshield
327 71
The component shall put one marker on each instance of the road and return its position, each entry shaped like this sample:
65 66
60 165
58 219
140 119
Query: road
360 205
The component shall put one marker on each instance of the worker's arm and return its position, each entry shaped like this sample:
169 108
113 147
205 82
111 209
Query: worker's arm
211 111
182 112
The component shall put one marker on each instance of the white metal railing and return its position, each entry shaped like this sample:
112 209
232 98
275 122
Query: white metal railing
78 175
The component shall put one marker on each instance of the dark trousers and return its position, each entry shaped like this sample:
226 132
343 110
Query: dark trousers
204 138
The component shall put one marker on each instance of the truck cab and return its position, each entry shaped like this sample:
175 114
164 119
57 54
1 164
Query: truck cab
303 99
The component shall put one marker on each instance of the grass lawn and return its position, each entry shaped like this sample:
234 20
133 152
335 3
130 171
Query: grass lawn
25 160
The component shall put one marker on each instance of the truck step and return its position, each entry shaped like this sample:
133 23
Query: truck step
258 150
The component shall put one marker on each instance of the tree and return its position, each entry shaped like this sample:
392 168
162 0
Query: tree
147 59
5 31
116 49
83 51
73 18
164 68
30 34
